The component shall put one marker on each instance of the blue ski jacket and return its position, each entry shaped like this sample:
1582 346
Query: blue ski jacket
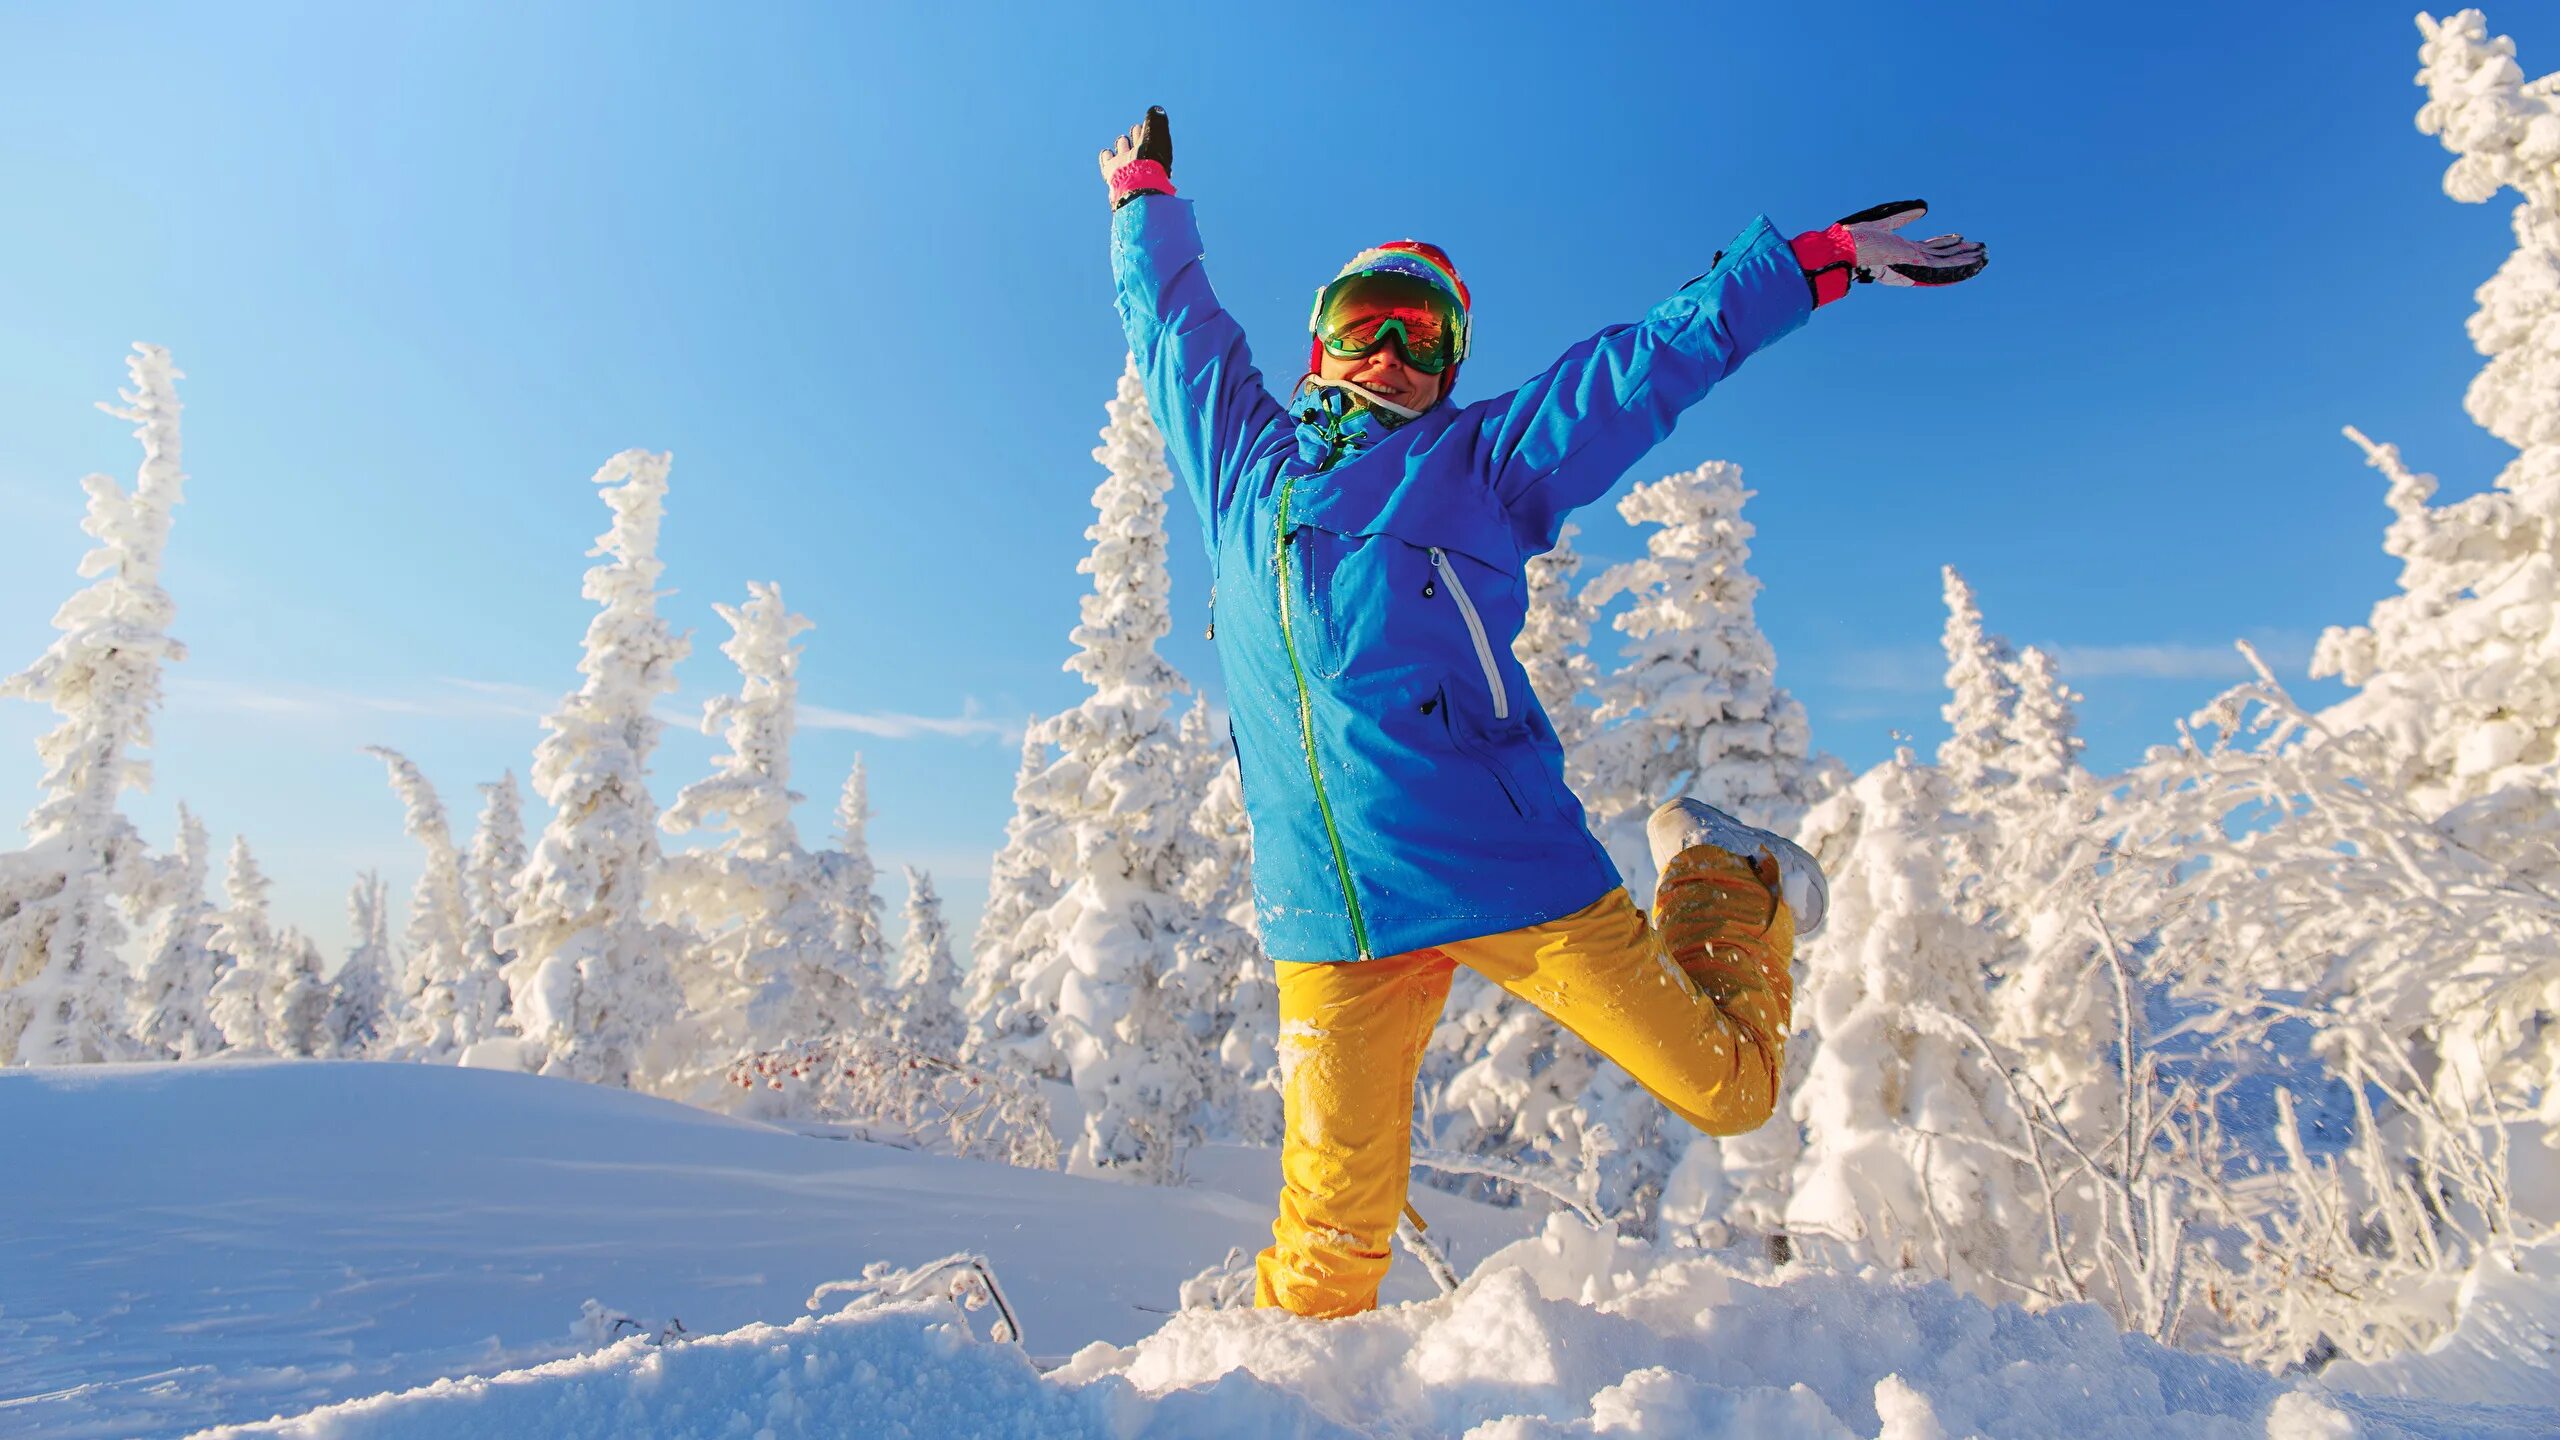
1405 789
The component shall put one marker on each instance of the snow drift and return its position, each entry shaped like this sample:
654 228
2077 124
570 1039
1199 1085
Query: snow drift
204 1244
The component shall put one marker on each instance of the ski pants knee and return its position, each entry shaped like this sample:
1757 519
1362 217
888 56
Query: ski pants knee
1705 1037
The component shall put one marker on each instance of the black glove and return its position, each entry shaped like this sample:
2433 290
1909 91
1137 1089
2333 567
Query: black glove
1141 162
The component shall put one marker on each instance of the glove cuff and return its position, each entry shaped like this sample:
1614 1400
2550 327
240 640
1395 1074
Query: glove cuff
1828 256
1139 177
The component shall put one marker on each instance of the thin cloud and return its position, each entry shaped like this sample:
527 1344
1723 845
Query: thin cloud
470 699
891 725
1919 670
1908 671
2178 661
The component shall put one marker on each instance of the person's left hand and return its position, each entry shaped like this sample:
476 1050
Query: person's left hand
1890 259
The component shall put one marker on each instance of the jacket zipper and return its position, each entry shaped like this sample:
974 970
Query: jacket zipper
1475 632
1306 709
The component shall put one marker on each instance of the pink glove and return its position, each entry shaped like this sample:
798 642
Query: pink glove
1141 162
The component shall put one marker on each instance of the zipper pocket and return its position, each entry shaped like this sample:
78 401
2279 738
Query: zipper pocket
1475 632
1459 741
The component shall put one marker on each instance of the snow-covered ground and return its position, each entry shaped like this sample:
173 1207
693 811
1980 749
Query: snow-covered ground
183 1246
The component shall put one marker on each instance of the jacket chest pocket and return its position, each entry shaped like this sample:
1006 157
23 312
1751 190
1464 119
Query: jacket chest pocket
1350 589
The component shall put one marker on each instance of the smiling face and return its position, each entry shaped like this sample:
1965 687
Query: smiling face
1383 372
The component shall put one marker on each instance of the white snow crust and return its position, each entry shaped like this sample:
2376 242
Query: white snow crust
239 1239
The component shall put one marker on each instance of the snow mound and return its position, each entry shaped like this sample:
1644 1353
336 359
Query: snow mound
912 1370
1568 1334
2506 1346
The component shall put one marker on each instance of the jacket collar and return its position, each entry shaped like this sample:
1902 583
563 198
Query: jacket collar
1333 419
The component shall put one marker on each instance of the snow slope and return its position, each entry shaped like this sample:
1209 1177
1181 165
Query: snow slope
185 1245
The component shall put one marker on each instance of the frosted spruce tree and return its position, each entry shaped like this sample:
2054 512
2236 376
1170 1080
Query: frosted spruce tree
1982 698
1019 887
2051 1011
361 1014
298 998
765 967
2456 669
245 936
173 997
852 883
1907 1139
489 874
1692 707
925 1006
1225 944
447 1004
64 989
591 980
1094 989
1554 644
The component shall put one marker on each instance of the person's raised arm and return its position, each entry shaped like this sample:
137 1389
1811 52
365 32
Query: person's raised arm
1202 387
1564 438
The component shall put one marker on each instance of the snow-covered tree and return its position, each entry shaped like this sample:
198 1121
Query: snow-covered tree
360 1009
1093 989
926 1009
1907 1134
2044 746
1982 698
447 1004
298 998
1019 887
1692 707
489 888
2461 669
63 987
853 885
767 967
1554 644
590 979
173 997
245 934
1224 945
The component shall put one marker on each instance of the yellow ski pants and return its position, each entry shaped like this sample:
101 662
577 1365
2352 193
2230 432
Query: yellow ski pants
1698 1016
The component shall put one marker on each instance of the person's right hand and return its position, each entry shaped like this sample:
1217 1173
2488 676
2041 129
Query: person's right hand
1141 162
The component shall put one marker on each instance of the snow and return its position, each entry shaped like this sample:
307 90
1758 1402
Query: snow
215 1243
229 1240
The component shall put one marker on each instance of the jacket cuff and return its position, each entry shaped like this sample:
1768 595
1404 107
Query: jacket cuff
1139 177
1828 256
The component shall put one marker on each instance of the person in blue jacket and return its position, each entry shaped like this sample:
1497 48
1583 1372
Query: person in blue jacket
1369 538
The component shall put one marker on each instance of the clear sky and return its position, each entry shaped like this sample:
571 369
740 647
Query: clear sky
427 267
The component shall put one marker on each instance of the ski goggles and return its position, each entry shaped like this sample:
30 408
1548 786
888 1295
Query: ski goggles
1358 313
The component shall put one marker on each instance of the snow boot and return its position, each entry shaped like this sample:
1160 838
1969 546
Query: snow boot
1685 824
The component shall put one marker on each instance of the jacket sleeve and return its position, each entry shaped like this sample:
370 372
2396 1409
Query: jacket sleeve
1202 387
1560 441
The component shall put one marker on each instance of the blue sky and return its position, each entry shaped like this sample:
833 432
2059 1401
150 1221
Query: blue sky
427 268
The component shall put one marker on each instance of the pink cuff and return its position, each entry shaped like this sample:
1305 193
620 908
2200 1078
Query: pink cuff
1138 176
1827 257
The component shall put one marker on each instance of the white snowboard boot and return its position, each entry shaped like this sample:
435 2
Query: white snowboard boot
1685 823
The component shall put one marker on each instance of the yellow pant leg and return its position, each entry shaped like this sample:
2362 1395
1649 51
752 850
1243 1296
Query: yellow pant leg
1697 1013
1351 1042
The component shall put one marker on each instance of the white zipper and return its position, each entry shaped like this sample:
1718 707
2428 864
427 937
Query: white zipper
1475 632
